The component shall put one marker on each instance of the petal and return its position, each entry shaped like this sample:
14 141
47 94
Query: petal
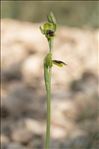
59 63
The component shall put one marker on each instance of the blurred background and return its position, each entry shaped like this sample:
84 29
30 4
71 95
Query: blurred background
75 99
71 13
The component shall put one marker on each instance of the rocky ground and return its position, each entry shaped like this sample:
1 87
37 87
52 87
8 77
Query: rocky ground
75 100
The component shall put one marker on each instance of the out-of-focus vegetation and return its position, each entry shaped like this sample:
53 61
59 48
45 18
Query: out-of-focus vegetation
72 13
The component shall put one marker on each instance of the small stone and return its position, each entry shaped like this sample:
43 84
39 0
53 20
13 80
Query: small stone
19 100
15 146
80 142
4 139
58 132
22 135
34 126
31 69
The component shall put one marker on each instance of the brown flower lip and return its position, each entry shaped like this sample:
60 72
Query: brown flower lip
50 33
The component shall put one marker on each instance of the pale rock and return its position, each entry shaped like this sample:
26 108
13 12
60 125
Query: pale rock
29 36
63 111
18 100
32 69
22 135
78 133
57 132
34 126
62 122
4 139
12 56
15 146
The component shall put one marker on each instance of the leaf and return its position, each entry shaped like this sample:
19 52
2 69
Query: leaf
59 63
51 18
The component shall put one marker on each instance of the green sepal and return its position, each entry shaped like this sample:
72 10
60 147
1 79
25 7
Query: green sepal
49 26
59 63
48 60
42 29
51 18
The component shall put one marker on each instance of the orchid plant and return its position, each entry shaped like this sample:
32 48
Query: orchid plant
49 29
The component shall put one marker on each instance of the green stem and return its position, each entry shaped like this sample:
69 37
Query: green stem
50 44
48 89
47 77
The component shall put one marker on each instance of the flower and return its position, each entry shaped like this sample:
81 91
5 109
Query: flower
49 28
